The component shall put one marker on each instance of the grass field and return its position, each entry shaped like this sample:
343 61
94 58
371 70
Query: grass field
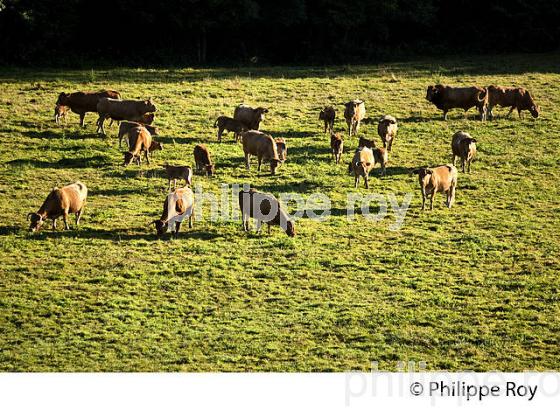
474 287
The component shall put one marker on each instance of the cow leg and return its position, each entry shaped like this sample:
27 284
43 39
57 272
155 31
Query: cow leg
147 155
325 130
519 113
247 159
454 159
190 221
65 219
366 180
469 166
451 196
390 145
82 119
259 167
78 216
383 170
432 199
220 131
356 180
177 229
423 198
463 164
54 224
445 115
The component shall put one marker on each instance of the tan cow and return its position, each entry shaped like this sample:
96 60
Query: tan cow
250 117
362 164
464 147
263 146
354 113
438 179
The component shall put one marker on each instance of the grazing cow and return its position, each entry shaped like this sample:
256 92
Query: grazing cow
381 156
202 160
60 112
263 146
362 164
328 115
84 102
282 149
229 124
363 142
337 146
445 98
250 117
387 130
178 172
120 110
354 113
70 199
178 206
264 208
126 126
464 147
438 179
514 97
140 141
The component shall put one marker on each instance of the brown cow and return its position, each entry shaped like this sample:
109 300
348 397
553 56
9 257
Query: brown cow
249 117
174 173
263 146
264 208
119 110
202 160
438 179
83 102
177 206
70 199
354 113
337 146
387 130
515 97
362 164
229 124
328 115
282 149
445 98
363 142
140 141
126 126
464 147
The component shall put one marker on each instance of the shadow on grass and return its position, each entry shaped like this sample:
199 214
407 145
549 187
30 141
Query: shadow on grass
90 162
115 234
52 135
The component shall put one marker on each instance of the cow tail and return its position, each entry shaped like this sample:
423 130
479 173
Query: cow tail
483 93
216 123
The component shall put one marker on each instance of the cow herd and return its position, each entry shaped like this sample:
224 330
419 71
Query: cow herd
136 117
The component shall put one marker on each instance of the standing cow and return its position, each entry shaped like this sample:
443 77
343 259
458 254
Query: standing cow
354 113
249 117
514 97
119 110
445 98
83 102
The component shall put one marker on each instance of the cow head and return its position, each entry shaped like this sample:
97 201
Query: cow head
149 105
431 92
62 99
290 228
424 175
148 118
128 157
363 142
535 111
260 112
161 226
36 221
274 163
156 146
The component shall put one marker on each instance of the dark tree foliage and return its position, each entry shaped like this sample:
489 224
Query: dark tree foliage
221 32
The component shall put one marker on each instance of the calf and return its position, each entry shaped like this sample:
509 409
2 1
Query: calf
250 117
381 156
354 113
178 205
263 146
445 98
70 199
84 102
516 98
387 130
327 115
464 147
229 124
126 126
202 160
337 147
264 208
178 172
362 164
282 149
140 141
119 110
60 112
439 179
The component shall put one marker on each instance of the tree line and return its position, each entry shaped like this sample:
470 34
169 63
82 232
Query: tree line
222 32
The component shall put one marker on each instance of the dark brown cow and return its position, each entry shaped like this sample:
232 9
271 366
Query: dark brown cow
140 141
83 102
119 110
202 160
445 98
328 115
264 208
